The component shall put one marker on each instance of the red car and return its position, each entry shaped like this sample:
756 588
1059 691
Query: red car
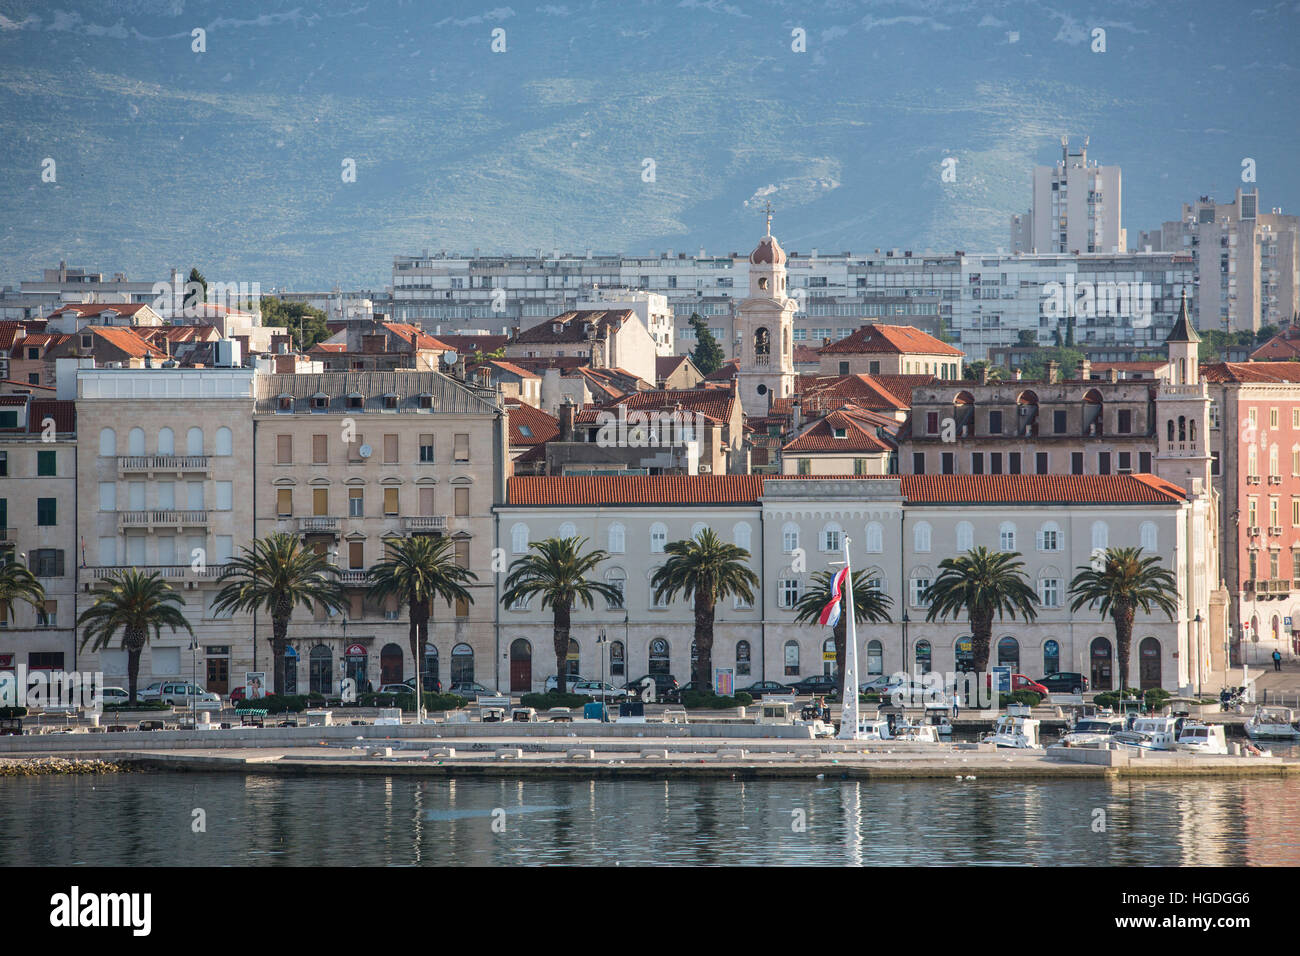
1021 682
237 694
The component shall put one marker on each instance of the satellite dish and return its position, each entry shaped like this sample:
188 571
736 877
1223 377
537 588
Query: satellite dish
450 357
365 451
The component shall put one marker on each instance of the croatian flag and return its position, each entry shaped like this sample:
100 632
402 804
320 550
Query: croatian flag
831 612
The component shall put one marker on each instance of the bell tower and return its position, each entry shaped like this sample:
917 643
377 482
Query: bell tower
1182 410
765 329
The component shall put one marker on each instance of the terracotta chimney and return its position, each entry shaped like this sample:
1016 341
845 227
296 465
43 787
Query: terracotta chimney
568 412
1053 368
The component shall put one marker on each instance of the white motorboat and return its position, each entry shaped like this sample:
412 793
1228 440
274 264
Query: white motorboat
1151 733
915 733
1203 739
1096 733
874 728
1014 731
940 722
1272 723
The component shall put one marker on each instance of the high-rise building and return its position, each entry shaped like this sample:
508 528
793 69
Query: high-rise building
1076 207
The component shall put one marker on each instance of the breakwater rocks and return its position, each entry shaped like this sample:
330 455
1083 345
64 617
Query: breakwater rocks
44 766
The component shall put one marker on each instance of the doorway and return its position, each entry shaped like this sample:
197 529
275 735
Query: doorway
1099 656
218 676
521 666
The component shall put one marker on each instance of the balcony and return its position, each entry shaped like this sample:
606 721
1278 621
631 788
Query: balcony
1252 531
1252 479
168 572
353 578
7 534
1275 479
161 519
425 523
318 524
151 465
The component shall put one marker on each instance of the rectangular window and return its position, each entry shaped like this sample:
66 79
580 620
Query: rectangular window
354 449
135 495
1050 592
1214 463
995 423
948 460
1125 462
995 463
461 447
918 463
788 592
107 551
1295 512
1013 463
194 495
390 449
1124 421
804 465
1076 463
977 463
1144 462
426 502
47 563
320 449
320 502
1272 418
356 503
1252 512
1058 422
108 496
1295 418
284 502
166 495
426 449
47 512
1040 462
390 501
462 552
4 464
356 556
1103 463
932 423
284 449
918 588
462 502
45 464
225 495
1252 416
1272 514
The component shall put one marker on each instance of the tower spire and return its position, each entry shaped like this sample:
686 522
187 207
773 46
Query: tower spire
767 208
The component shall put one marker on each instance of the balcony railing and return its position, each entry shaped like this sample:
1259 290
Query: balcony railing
7 534
425 523
318 524
151 464
353 578
169 572
161 519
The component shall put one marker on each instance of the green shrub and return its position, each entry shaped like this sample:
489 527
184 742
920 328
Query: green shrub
1110 698
278 703
138 705
1027 697
7 713
553 698
707 700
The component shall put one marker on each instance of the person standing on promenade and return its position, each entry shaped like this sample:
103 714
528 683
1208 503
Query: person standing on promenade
1277 660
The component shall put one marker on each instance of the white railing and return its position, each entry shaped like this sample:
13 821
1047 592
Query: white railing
425 523
318 523
158 518
163 463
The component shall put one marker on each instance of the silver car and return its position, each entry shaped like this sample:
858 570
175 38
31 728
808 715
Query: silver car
183 694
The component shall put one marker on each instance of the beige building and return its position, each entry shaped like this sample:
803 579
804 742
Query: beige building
165 480
891 350
1076 207
348 460
38 526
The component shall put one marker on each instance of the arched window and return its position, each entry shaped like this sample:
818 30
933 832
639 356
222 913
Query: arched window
1272 455
1149 666
924 657
462 665
568 530
965 536
1149 536
830 663
617 539
194 441
762 342
1182 428
741 535
390 664
1169 431
1009 653
135 441
1007 536
616 578
429 672
874 579
660 659
742 658
1100 536
1050 587
658 537
789 537
1100 671
519 539
788 587
1049 537
320 670
921 537
875 658
225 441
107 442
875 537
791 658
1051 657
617 659
1191 429
697 528
655 601
166 441
571 661
831 537
918 584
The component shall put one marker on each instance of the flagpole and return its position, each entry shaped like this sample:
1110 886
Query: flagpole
849 699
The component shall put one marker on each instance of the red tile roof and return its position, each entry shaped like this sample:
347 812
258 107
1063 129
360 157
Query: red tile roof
718 404
127 340
1245 372
9 332
64 413
724 372
467 345
541 426
416 337
824 393
897 339
665 365
859 435
573 326
712 490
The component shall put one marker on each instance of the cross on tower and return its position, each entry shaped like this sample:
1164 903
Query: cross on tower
767 208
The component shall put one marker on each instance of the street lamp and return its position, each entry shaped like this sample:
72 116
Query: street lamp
602 643
194 682
1200 651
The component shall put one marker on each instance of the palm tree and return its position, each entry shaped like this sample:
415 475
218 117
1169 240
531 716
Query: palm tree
869 604
709 570
417 570
277 573
559 570
1124 582
17 583
985 584
135 604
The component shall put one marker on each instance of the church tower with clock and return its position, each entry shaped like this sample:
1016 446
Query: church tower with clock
765 329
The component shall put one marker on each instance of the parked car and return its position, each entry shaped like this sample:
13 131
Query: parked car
116 695
1021 682
663 683
397 689
759 688
596 689
435 688
553 682
472 691
877 685
237 694
151 692
816 684
1065 682
673 695
183 694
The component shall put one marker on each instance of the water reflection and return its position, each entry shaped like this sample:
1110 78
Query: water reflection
145 819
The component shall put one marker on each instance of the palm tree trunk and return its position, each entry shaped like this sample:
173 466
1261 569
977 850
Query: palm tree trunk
981 636
703 675
134 643
561 635
279 641
840 633
1123 615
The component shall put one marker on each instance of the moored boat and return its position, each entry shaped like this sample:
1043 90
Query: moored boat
1203 739
1014 731
1272 723
1094 732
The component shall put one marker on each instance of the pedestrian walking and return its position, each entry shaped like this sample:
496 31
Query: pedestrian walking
1277 660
